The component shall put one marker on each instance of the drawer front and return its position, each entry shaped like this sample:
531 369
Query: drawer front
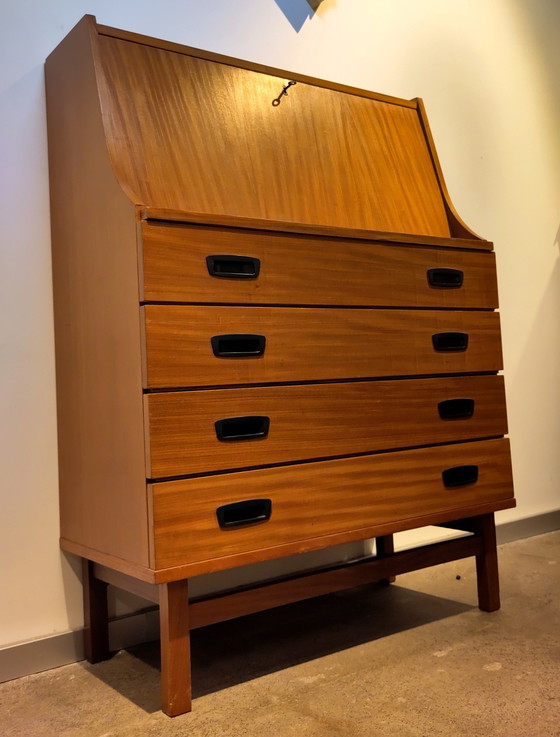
312 500
307 270
304 344
267 425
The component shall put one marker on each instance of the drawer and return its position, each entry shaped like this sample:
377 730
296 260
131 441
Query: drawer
201 431
305 344
323 499
298 269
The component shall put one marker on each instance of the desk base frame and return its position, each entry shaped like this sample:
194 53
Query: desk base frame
178 615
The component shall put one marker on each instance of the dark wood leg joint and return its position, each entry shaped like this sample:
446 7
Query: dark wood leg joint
96 619
484 529
384 547
487 564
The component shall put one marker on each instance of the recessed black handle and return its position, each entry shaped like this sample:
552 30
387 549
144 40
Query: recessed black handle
248 512
459 476
233 267
456 409
445 278
448 342
238 345
242 428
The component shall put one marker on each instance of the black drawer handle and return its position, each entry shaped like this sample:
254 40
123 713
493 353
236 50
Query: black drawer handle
248 512
447 342
238 346
242 428
446 278
460 476
233 267
456 409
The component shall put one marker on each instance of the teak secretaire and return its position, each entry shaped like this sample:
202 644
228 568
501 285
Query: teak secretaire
274 334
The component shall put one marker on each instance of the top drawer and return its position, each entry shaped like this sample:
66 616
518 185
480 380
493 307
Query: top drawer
307 270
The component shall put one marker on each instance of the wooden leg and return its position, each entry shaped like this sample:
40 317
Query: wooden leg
96 620
487 564
385 546
175 648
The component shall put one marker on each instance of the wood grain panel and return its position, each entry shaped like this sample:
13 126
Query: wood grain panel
222 59
315 421
187 570
318 499
312 344
97 326
154 214
304 270
190 134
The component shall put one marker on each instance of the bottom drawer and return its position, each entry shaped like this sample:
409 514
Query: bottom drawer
327 498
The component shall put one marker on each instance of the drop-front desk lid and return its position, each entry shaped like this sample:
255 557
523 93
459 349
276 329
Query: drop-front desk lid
195 136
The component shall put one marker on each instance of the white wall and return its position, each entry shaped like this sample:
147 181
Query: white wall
489 75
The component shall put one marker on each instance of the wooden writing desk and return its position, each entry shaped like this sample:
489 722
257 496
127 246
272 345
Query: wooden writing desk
274 334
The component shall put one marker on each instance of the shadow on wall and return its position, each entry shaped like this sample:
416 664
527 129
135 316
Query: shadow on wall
472 109
534 419
540 20
298 11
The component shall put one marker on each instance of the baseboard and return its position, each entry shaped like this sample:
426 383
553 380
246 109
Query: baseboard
528 527
52 652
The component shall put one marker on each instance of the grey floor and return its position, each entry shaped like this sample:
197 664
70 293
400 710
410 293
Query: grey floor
415 659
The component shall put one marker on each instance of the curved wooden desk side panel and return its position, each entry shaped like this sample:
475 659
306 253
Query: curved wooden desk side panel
97 326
